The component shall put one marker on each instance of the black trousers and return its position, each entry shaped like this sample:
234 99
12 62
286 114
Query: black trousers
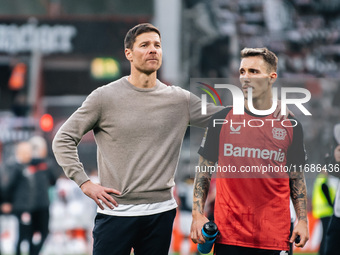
332 243
24 229
116 235
325 223
37 222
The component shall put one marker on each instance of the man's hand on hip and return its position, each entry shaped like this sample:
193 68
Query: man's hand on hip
99 193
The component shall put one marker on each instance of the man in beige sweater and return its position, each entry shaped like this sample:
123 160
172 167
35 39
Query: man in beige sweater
139 124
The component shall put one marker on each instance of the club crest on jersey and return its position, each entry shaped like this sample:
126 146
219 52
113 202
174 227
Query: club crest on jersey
279 133
235 130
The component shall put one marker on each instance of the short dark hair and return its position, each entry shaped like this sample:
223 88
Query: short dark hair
131 35
268 56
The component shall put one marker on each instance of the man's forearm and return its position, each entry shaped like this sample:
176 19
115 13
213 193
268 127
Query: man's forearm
201 186
298 193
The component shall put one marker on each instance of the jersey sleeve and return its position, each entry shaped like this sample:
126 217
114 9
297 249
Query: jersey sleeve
210 143
296 154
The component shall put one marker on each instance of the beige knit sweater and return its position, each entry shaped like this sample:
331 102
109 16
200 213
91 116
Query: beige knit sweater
138 132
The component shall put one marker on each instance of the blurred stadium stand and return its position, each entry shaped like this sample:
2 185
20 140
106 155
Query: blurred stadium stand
304 34
209 35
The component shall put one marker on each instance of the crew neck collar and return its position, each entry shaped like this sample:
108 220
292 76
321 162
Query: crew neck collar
125 78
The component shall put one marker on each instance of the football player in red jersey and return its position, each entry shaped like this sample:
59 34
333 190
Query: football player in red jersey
252 208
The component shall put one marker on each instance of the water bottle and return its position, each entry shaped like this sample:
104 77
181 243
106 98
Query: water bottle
297 239
209 232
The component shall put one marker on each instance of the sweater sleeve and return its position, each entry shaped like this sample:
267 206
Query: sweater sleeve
196 117
65 142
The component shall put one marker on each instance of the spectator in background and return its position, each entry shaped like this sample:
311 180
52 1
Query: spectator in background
332 244
322 202
18 183
44 177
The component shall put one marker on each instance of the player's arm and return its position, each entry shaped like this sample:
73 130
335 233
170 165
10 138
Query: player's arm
298 193
208 152
201 189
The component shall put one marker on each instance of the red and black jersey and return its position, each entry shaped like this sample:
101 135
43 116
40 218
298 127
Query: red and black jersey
252 198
